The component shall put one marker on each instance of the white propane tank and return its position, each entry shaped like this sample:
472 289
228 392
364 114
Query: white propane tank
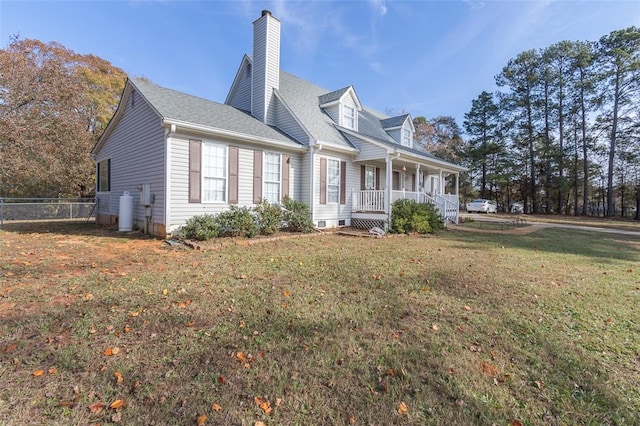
125 220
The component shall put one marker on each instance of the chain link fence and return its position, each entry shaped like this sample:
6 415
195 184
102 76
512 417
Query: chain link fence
45 209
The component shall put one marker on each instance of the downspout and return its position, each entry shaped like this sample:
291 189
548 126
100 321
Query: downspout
312 159
168 133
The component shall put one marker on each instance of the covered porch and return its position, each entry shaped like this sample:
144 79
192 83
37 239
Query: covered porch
403 177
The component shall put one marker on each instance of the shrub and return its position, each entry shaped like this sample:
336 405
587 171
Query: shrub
410 216
237 222
201 228
297 216
268 217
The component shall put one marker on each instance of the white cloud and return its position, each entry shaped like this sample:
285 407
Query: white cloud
379 6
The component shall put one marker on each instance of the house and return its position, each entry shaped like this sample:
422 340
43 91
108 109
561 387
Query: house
179 155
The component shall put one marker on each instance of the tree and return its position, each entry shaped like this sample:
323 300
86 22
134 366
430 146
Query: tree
522 76
619 66
54 104
481 124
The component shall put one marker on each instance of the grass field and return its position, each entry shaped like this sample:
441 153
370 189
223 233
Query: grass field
463 328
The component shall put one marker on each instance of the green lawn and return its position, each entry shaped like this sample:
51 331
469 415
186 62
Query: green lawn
461 328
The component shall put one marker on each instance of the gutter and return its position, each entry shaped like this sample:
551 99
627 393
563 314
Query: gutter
235 135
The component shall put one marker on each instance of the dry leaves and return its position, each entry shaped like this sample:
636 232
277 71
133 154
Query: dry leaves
118 376
202 419
118 403
402 408
112 351
216 407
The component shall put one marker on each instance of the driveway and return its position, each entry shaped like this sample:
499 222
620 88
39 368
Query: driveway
533 226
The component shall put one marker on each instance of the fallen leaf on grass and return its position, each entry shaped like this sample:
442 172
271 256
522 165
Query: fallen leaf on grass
96 407
221 379
287 293
201 420
216 407
488 369
53 370
116 417
118 403
11 347
112 351
259 423
435 327
134 313
402 408
38 373
516 423
118 376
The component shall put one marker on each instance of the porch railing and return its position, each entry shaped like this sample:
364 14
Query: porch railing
374 201
368 201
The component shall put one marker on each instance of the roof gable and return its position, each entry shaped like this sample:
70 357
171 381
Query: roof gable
338 96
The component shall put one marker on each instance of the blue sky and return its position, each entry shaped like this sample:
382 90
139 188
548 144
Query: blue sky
427 58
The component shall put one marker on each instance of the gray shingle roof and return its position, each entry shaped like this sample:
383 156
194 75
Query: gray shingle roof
397 121
333 96
173 105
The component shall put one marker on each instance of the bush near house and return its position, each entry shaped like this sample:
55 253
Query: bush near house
409 216
262 219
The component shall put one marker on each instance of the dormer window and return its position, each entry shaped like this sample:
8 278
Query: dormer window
349 117
406 137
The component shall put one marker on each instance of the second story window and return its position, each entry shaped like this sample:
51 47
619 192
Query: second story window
406 137
349 117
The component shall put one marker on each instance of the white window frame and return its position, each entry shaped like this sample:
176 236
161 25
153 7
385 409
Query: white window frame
208 177
369 177
268 177
104 176
406 137
349 117
335 185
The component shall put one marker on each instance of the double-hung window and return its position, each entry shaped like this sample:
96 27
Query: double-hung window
214 173
333 181
349 116
272 178
406 137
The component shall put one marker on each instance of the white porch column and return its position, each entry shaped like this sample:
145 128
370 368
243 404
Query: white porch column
440 183
388 185
458 184
416 179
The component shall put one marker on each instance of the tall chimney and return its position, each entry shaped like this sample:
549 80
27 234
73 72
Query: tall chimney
266 65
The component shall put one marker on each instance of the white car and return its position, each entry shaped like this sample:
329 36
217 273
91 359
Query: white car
482 206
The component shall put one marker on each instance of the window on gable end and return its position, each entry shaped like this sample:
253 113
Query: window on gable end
104 176
406 137
349 118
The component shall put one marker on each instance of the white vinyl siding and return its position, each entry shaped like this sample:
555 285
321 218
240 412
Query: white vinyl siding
271 174
333 181
241 98
214 173
332 213
137 139
287 123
